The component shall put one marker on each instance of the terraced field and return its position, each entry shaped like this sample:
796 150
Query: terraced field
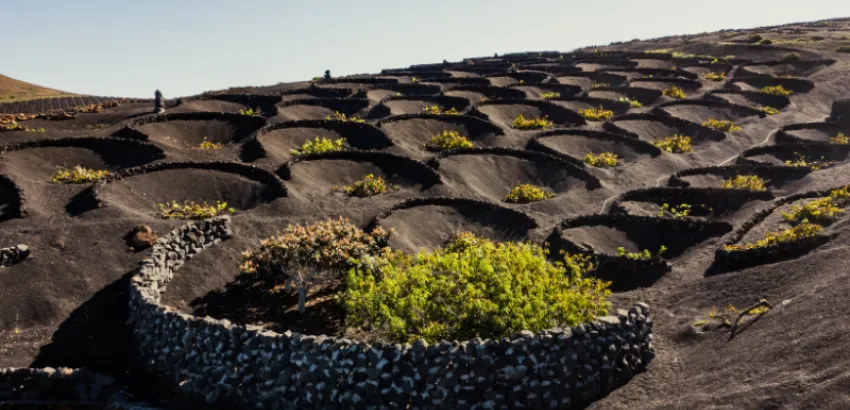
714 138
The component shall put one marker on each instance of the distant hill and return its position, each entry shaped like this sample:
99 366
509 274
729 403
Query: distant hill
12 90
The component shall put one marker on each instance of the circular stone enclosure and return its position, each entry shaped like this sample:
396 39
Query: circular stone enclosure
277 141
189 130
473 170
822 154
416 105
653 127
139 190
704 202
476 93
776 178
504 112
812 132
576 144
410 133
699 111
318 109
318 175
749 98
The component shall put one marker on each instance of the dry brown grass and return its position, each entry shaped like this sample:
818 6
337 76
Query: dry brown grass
12 90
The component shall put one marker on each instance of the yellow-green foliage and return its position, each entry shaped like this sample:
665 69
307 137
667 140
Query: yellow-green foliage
726 317
632 103
447 140
472 288
768 110
596 114
801 161
776 90
640 256
839 139
715 76
193 210
369 186
252 112
675 92
676 144
304 256
209 145
721 125
525 193
338 116
678 211
321 145
521 123
843 49
436 110
756 38
600 85
801 231
749 182
14 126
77 175
550 95
822 210
603 160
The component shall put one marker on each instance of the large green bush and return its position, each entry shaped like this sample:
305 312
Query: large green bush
472 287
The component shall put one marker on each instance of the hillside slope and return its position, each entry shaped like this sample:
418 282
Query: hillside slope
12 90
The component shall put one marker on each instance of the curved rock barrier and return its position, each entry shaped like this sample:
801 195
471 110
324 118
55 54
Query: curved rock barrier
244 366
11 200
414 170
43 386
727 261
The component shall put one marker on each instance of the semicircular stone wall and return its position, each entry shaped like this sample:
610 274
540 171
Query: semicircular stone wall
241 366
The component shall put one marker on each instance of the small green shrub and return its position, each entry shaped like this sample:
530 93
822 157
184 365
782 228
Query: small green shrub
473 288
369 186
755 38
209 145
715 76
547 96
677 144
338 116
768 110
320 145
777 90
766 42
193 210
596 85
436 110
306 255
525 193
675 92
680 211
802 161
603 160
791 57
721 125
839 139
632 103
843 49
254 112
521 123
77 175
447 140
801 231
748 182
596 114
645 255
822 210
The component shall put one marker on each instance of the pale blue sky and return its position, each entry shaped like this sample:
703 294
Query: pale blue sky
129 48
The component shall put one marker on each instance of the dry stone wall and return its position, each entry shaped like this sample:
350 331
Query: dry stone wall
246 367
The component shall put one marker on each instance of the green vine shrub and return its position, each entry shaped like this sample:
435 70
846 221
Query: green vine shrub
645 255
473 287
368 186
822 210
776 90
521 123
320 145
603 160
677 144
338 116
303 256
675 92
525 193
77 175
721 125
748 182
632 103
715 76
840 138
193 210
596 114
447 140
